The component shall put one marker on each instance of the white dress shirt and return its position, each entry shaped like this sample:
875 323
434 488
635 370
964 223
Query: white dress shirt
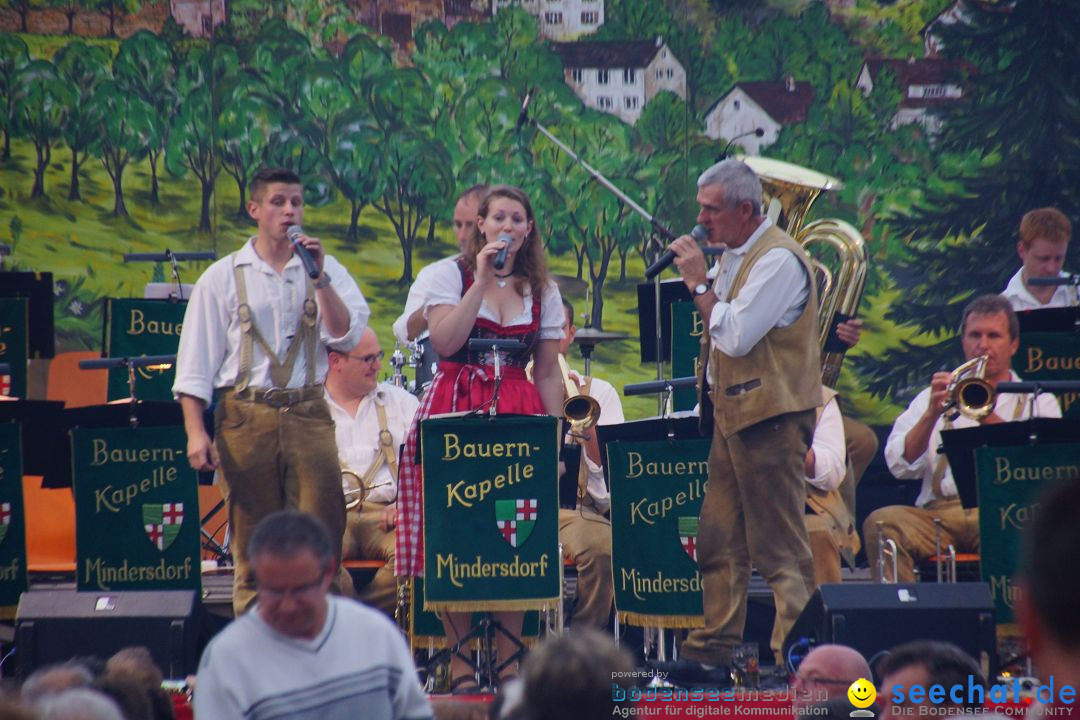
830 449
417 298
611 413
1005 407
444 288
774 295
358 435
209 353
1021 298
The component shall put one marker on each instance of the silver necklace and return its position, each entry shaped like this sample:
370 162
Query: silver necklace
500 280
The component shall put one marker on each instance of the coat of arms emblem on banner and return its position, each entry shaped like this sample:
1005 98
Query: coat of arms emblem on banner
515 519
688 535
5 519
162 523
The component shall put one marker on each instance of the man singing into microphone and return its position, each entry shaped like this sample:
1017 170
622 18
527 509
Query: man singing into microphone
761 384
254 339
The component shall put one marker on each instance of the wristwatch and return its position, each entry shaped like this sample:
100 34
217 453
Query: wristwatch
700 289
322 282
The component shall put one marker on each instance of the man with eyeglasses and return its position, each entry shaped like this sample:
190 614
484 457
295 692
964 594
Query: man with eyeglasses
826 673
303 653
370 423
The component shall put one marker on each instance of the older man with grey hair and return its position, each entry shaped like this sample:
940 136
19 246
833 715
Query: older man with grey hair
761 381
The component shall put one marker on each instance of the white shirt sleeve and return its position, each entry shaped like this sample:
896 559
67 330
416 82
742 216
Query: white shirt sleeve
894 446
552 315
417 299
773 296
611 413
205 337
443 285
349 292
830 449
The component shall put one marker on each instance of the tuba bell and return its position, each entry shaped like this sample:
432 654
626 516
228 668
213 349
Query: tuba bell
968 393
837 250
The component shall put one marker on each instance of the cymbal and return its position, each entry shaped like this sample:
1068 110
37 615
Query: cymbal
570 285
592 336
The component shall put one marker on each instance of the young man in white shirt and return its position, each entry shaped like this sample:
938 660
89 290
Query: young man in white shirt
1043 244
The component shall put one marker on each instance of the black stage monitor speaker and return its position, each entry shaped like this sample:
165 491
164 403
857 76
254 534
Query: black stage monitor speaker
873 618
53 626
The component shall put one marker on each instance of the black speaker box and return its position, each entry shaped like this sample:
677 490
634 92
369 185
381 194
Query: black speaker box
873 618
53 626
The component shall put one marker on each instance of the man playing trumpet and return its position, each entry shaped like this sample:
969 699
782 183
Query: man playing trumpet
370 423
989 329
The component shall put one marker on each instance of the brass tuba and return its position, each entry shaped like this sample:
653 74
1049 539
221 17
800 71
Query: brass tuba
968 393
837 250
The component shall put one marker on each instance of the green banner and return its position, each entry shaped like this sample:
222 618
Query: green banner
136 510
1051 356
686 331
136 327
656 493
14 345
12 520
491 512
1011 479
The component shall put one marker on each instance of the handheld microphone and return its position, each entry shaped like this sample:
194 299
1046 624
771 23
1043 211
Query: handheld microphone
523 116
698 233
756 132
500 257
293 233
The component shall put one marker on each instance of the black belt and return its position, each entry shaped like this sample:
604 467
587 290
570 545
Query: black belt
274 397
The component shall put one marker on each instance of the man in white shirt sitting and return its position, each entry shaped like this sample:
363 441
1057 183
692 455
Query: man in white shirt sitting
990 328
370 424
1044 241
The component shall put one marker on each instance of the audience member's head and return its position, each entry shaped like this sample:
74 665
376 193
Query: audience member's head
293 564
835 708
12 709
1047 609
80 704
826 673
570 677
131 697
926 663
54 679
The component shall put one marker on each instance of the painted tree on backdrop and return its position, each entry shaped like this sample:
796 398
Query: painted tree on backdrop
146 67
40 102
1014 146
14 56
192 142
84 67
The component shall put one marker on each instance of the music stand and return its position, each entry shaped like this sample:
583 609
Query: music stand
38 287
173 259
1056 320
43 433
960 445
670 291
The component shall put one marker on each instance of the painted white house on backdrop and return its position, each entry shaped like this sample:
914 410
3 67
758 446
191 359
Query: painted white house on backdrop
198 17
560 19
926 84
770 106
621 77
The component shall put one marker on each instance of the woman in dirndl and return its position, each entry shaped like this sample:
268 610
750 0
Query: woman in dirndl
471 299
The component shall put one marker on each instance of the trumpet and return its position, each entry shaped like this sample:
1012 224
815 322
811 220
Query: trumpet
968 393
581 410
354 489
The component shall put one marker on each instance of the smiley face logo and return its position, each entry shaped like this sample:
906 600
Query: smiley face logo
862 693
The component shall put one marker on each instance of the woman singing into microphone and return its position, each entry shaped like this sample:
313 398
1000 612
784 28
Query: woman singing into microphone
471 299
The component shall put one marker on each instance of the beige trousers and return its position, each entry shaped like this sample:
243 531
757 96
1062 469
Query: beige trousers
753 513
365 540
586 538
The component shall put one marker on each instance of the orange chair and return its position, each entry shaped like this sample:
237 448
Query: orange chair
75 387
50 527
215 519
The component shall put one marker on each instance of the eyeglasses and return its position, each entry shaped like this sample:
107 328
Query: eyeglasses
369 359
279 594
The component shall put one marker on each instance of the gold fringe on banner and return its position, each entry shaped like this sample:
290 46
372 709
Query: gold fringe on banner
664 621
488 605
